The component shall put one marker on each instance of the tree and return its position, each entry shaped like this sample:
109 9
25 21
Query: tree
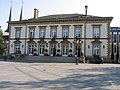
1 42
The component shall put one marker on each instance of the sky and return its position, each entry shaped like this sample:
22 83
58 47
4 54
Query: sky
103 8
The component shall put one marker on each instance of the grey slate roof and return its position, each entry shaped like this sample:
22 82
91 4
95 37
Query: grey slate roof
63 16
60 17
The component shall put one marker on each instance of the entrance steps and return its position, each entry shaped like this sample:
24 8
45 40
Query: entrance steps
48 59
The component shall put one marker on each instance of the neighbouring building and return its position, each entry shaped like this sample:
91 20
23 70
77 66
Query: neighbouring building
115 41
55 35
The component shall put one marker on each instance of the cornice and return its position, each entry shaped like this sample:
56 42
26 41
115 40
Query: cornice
88 19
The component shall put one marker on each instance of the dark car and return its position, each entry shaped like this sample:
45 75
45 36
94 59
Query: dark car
98 59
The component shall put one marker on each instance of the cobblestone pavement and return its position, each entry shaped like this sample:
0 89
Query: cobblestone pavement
59 76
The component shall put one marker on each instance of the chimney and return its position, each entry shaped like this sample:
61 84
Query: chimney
36 13
86 7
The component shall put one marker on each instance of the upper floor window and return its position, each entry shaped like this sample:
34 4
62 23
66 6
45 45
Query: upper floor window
96 31
18 33
54 32
42 32
77 31
65 32
32 32
115 37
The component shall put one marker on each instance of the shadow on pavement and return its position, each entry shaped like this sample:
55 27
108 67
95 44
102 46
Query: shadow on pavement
75 81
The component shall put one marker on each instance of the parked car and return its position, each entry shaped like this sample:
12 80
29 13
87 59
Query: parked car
98 59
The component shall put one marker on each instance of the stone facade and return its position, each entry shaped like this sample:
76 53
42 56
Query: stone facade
56 35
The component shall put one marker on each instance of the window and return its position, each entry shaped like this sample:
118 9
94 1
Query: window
32 32
65 32
77 31
53 32
42 32
30 48
96 32
17 48
18 33
115 38
41 49
96 50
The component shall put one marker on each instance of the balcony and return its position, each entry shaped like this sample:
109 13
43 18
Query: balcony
31 38
65 37
53 38
17 38
77 37
96 38
42 37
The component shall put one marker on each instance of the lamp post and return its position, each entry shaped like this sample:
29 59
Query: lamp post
77 42
117 54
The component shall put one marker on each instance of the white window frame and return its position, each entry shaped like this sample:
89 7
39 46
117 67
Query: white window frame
78 32
96 31
54 32
42 33
65 32
96 49
18 33
30 49
32 32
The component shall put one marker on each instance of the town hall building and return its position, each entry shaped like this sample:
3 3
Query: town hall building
61 35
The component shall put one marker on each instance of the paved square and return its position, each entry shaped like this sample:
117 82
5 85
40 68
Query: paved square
59 76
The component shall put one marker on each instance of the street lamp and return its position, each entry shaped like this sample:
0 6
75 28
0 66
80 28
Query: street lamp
77 42
117 55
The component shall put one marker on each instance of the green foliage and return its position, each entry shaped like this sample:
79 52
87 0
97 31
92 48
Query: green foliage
1 43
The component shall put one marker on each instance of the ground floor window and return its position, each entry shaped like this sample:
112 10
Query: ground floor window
41 49
30 48
96 50
53 50
65 50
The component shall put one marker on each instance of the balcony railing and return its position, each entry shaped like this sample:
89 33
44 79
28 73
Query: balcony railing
31 37
97 37
65 37
17 38
53 38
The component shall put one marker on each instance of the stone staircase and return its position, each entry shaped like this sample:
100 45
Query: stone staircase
47 59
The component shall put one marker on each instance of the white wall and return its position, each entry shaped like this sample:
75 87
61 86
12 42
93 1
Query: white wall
89 34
